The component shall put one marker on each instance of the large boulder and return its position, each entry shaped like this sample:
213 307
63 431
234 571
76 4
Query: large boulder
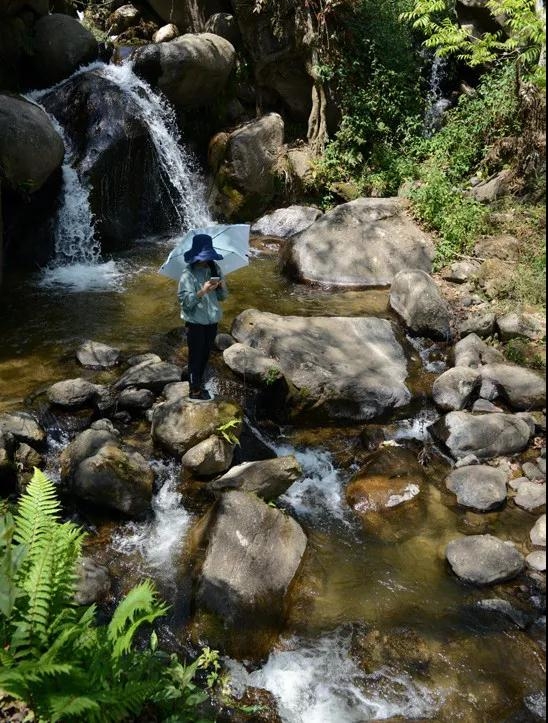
150 375
253 555
415 297
192 70
179 425
343 368
479 487
523 389
95 469
245 163
362 243
253 365
484 559
453 390
285 222
115 158
23 427
524 326
208 458
485 435
267 478
60 46
30 147
73 393
471 351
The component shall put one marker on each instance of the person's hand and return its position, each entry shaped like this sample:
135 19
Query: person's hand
209 286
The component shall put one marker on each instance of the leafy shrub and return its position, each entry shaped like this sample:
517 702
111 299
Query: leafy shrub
52 654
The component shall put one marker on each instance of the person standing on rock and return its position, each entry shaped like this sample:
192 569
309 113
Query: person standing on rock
201 289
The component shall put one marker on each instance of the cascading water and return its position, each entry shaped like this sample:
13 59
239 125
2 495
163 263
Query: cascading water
78 264
436 104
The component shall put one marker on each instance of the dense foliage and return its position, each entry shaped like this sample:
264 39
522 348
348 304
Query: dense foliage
53 655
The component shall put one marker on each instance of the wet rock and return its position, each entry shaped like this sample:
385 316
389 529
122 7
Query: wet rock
478 487
93 582
208 458
136 400
453 390
538 532
400 648
23 427
268 479
286 222
224 341
250 363
166 33
378 239
531 495
484 559
532 472
72 393
503 607
104 425
245 163
180 425
122 19
343 368
522 388
513 326
94 355
30 147
134 361
486 435
115 157
27 458
473 352
481 324
149 375
415 297
253 554
537 560
192 70
60 46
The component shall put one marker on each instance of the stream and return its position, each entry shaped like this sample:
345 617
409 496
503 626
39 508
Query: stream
382 590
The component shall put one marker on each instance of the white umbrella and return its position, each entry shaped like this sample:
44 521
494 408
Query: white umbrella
232 242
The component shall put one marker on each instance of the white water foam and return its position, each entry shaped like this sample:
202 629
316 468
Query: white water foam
177 164
436 104
158 540
427 351
318 682
416 428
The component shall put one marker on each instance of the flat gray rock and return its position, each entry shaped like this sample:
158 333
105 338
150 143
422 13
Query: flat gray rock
479 487
149 375
531 495
481 324
72 393
453 390
94 355
484 435
346 368
484 559
362 243
268 479
285 222
523 389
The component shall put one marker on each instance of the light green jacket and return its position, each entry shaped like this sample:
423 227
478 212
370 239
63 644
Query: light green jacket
195 310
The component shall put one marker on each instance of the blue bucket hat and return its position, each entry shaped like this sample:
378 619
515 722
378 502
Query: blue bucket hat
202 250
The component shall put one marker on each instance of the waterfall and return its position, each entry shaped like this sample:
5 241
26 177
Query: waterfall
436 104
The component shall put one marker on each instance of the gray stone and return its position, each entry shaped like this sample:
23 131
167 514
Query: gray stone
489 191
149 375
176 391
346 368
467 461
481 324
105 425
486 435
85 445
251 364
268 479
136 400
531 495
415 297
286 222
94 355
138 359
537 560
538 532
460 271
516 483
473 352
532 472
453 390
24 427
528 326
541 464
503 607
528 419
488 390
93 582
191 70
522 388
224 341
30 147
226 26
483 406
478 487
166 33
484 559
60 46
72 393
253 555
378 239
122 19
208 458
26 457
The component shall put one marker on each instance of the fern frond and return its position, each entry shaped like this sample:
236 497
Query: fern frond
63 707
37 509
140 606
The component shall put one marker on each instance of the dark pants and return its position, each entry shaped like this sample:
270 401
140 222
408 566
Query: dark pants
200 339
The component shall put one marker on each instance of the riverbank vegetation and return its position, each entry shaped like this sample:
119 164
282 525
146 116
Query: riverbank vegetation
54 655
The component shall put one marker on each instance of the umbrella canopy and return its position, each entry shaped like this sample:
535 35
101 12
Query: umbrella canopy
232 242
